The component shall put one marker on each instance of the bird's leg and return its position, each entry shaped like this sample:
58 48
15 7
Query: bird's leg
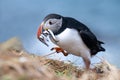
58 50
87 63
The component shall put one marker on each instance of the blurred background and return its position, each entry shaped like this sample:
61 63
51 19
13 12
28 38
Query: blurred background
22 18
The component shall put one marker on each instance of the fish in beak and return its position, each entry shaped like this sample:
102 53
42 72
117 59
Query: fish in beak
42 35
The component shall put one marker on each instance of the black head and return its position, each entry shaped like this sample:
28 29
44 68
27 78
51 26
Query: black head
52 16
52 22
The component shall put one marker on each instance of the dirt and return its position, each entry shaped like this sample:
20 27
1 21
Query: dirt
17 64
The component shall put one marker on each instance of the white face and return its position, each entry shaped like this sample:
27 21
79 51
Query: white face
53 24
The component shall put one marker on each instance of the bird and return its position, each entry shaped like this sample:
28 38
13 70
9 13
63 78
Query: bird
71 37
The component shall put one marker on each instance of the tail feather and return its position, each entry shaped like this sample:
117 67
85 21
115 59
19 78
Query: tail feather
100 42
100 47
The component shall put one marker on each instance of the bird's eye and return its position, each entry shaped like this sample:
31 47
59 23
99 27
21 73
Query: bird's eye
50 23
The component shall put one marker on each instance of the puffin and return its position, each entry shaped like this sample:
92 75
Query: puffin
70 37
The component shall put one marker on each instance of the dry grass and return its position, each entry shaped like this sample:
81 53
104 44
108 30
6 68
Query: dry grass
16 64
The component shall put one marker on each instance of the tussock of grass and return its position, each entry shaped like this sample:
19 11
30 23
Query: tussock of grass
19 65
12 44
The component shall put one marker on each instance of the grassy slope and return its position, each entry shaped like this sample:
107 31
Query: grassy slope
16 64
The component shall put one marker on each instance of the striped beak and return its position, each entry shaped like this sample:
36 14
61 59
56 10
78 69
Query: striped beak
42 36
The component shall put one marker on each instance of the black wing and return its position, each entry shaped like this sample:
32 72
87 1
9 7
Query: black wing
88 37
91 41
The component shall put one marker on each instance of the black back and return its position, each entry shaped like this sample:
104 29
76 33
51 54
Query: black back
87 36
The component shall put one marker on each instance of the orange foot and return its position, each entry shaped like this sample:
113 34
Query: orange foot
58 50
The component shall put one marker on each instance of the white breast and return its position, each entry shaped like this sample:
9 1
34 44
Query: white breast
71 41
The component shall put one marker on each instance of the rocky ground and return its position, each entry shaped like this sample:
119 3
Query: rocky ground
17 64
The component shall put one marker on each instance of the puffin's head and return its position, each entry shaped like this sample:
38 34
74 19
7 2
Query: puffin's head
52 22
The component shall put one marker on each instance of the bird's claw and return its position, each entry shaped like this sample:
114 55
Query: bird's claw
58 50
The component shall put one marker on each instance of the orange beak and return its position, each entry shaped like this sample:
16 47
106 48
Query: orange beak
40 34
